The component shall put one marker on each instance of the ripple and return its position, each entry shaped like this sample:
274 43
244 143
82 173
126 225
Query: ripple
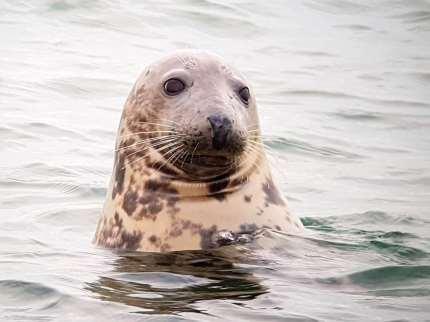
366 218
32 190
338 7
398 251
422 76
341 95
36 296
400 247
270 50
49 130
302 147
424 181
355 27
402 292
63 5
314 53
382 276
12 134
396 235
103 134
44 169
36 176
82 87
357 115
414 16
210 5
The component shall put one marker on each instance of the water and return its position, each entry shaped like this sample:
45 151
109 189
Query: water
344 95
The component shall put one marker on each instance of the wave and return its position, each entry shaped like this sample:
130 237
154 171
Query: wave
36 296
342 95
302 147
373 232
384 276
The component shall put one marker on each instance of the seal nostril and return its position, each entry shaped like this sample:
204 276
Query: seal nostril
221 129
218 121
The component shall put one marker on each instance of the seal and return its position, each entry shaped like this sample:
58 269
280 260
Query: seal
190 167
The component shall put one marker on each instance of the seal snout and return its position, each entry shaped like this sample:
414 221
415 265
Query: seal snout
221 131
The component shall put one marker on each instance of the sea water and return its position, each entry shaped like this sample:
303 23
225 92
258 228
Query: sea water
343 90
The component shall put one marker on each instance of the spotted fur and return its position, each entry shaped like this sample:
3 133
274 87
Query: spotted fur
161 201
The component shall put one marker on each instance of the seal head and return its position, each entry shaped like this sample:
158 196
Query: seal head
202 105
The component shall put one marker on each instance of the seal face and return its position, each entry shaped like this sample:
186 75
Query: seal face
190 168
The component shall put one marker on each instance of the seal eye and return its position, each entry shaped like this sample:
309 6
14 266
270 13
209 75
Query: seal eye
173 86
244 95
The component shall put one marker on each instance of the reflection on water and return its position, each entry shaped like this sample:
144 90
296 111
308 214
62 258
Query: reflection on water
171 283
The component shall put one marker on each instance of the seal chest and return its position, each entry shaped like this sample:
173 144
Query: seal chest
190 171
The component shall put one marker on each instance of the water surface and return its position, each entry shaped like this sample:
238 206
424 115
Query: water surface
343 89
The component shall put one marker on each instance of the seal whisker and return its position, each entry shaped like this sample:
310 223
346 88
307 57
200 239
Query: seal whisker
158 138
257 146
239 163
170 121
174 152
253 126
253 149
184 158
272 153
181 155
152 144
146 132
155 145
263 145
253 137
153 123
256 142
174 148
169 145
195 148
147 152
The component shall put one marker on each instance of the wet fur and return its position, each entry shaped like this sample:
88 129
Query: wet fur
153 205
